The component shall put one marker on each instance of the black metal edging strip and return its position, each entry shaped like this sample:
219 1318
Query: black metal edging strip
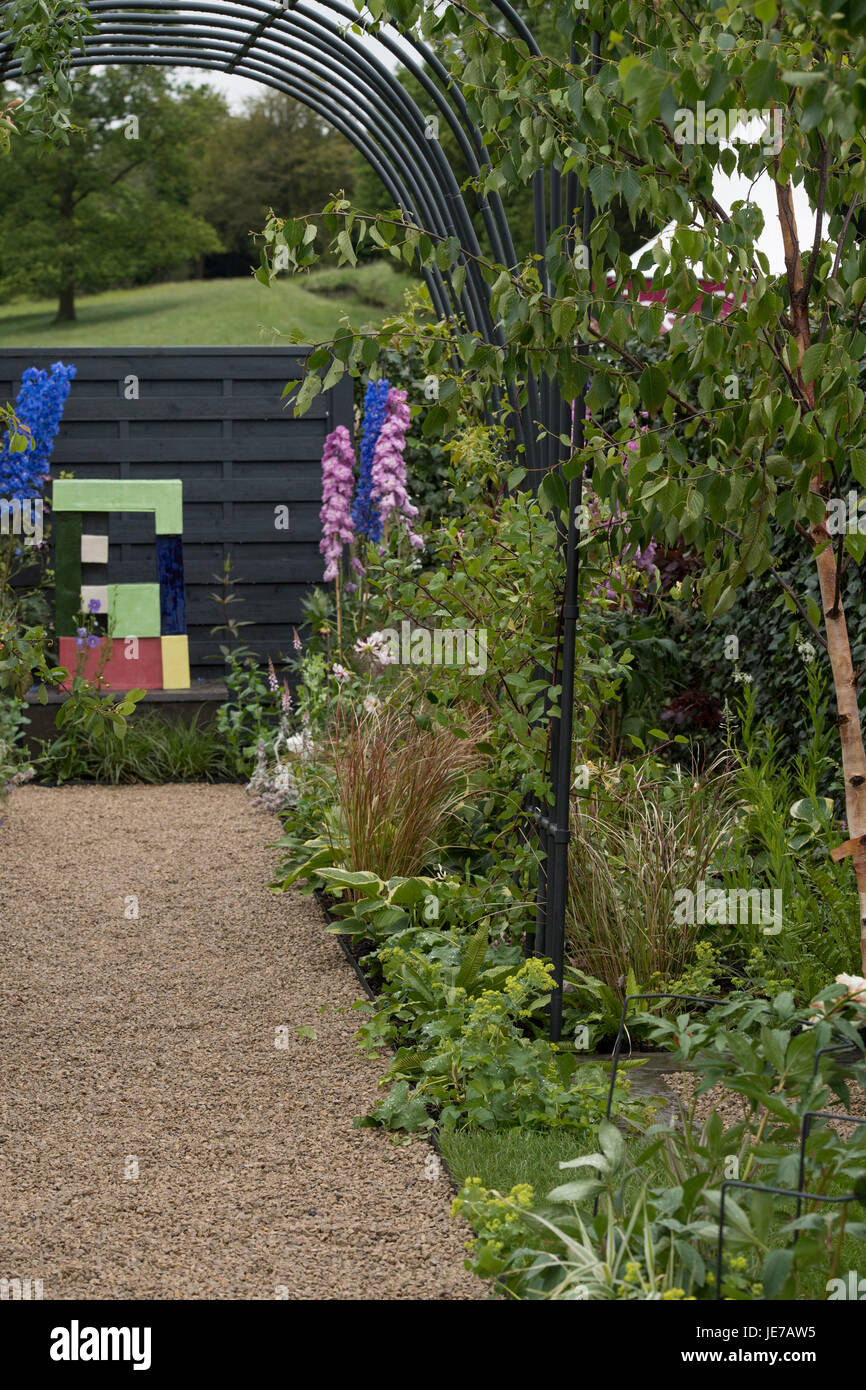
809 1116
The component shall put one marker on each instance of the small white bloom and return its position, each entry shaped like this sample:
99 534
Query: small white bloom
372 703
806 651
856 987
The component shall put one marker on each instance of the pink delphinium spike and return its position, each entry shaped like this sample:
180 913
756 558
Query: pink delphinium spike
338 481
389 466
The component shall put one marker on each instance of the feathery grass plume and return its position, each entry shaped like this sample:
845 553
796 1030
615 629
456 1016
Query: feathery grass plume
398 785
636 840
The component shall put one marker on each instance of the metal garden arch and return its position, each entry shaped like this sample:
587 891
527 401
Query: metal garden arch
315 54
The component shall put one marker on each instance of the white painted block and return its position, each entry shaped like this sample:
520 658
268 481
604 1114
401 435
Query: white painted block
94 550
94 591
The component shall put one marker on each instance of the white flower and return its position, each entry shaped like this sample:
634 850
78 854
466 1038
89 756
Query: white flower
372 703
806 650
340 672
856 987
856 994
742 677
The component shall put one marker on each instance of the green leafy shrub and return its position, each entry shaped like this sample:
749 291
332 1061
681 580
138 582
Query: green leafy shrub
468 1060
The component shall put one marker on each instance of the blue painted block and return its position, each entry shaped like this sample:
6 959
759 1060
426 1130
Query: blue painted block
172 598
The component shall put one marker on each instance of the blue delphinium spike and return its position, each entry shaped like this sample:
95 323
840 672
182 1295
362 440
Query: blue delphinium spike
365 513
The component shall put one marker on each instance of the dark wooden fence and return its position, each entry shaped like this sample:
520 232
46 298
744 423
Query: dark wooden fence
214 418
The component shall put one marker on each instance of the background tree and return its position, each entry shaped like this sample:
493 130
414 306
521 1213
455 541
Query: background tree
112 205
276 154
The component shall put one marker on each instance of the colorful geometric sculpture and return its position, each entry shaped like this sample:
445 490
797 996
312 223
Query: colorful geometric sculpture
145 642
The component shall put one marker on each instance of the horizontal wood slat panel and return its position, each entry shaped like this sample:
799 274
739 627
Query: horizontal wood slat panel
189 407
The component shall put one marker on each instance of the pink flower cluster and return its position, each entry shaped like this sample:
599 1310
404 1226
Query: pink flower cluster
338 481
388 491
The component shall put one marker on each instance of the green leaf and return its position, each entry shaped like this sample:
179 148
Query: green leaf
473 959
612 1144
813 359
777 1267
575 1191
344 241
552 493
653 386
600 183
351 878
642 86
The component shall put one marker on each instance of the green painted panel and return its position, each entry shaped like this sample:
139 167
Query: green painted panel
66 527
133 610
164 498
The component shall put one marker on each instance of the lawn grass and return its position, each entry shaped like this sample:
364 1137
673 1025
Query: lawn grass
503 1158
234 312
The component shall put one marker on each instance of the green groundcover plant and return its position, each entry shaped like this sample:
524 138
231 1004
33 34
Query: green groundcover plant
464 1010
639 1218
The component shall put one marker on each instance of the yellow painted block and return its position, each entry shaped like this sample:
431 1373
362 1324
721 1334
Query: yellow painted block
175 662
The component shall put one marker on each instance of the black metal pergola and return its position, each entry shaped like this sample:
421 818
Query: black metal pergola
340 64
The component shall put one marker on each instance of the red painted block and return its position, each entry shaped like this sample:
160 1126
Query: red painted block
140 669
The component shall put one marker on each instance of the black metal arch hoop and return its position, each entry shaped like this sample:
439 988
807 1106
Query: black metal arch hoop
332 59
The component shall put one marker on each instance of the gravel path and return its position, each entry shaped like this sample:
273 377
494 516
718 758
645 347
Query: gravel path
148 1046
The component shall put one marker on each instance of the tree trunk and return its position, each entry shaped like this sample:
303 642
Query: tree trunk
66 305
838 644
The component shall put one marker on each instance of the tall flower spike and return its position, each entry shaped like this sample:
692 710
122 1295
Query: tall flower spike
365 513
40 407
338 479
389 466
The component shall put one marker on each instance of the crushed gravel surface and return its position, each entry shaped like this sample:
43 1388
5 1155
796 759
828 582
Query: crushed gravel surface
155 1142
733 1107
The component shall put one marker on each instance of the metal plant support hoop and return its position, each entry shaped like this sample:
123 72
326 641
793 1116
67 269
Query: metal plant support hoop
316 55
